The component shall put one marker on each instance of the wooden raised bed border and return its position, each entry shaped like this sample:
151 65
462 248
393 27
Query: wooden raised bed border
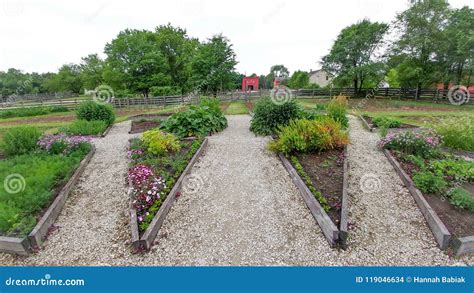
34 240
366 124
148 237
442 235
335 237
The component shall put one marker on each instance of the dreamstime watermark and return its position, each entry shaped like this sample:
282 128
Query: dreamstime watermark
368 96
192 184
281 95
459 95
14 183
20 89
12 7
94 15
370 183
273 12
103 94
47 280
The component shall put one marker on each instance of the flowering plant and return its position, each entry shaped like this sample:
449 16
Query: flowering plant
61 143
424 143
147 189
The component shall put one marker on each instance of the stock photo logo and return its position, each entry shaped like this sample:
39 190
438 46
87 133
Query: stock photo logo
281 95
192 184
14 183
459 95
103 94
370 183
12 7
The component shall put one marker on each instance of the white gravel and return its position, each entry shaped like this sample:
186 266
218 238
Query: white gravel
246 211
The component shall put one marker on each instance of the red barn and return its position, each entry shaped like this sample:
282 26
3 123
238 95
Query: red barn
250 84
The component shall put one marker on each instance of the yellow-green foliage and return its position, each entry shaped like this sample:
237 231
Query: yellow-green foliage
158 143
302 135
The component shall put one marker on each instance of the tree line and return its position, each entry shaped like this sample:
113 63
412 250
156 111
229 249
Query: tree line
165 61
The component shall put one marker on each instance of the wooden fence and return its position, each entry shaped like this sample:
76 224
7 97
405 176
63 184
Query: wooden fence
433 95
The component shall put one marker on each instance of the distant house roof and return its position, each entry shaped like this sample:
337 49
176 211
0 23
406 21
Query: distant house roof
318 70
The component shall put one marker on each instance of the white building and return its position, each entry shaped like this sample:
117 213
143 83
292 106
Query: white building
320 77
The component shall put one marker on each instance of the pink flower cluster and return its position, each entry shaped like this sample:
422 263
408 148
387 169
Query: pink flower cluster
71 142
146 189
133 154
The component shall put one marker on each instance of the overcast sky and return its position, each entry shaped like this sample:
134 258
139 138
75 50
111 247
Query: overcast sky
44 34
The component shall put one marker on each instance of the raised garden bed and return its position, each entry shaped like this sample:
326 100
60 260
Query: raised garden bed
142 239
32 242
451 226
328 175
369 125
141 123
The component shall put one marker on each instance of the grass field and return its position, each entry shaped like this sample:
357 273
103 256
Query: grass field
235 108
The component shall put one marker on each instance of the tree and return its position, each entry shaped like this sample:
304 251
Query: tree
92 69
353 57
213 65
135 63
457 52
68 79
421 35
178 50
299 79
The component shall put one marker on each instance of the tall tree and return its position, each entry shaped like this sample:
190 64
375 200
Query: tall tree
457 52
421 35
299 79
92 69
134 62
353 57
178 50
68 79
213 65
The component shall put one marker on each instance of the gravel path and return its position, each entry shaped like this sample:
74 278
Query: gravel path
243 210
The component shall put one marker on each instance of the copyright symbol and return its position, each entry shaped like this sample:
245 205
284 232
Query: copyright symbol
408 279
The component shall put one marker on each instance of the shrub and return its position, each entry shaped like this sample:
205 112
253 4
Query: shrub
337 110
196 121
158 143
84 127
268 115
457 133
92 111
428 182
386 122
424 144
304 136
20 140
462 198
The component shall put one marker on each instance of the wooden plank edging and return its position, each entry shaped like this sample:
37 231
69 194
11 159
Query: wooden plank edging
439 230
148 237
463 245
366 124
106 131
26 245
343 226
40 231
328 228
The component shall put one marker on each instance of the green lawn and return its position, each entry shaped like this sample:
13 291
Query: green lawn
236 108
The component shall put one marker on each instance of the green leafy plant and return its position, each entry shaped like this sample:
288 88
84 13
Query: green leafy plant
268 116
458 133
337 110
33 111
304 136
462 198
92 111
84 127
428 182
386 122
157 142
37 177
20 140
197 120
455 169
